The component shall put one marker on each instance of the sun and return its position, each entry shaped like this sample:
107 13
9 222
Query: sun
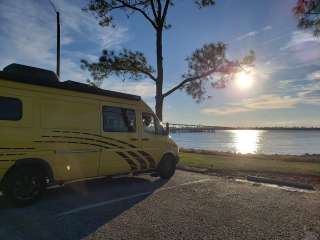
244 80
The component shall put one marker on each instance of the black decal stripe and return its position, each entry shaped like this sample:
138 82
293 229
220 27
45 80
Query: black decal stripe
88 139
96 135
149 158
82 143
12 154
130 145
142 163
22 148
131 163
111 144
4 160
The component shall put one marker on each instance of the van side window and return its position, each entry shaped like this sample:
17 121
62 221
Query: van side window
10 109
116 119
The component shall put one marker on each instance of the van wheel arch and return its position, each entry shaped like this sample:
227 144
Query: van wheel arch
37 163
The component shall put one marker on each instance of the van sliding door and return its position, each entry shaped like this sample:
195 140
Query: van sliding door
122 139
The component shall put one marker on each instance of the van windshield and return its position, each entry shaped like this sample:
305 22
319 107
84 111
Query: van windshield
151 124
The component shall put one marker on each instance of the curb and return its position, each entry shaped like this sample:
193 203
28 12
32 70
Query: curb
280 183
192 169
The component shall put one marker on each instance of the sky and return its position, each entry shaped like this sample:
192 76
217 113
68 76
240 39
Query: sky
286 75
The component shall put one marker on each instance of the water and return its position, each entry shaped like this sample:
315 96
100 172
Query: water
296 142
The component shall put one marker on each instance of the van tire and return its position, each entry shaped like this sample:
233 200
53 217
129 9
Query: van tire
167 167
24 185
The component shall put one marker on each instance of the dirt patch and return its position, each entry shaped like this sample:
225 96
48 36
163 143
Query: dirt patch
300 178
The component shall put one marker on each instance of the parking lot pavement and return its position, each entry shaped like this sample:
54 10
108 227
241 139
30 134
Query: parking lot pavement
189 206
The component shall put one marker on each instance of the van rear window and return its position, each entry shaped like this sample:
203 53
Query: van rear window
10 109
116 119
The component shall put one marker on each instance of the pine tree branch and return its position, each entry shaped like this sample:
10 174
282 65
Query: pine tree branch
125 4
159 8
153 9
187 80
165 11
152 77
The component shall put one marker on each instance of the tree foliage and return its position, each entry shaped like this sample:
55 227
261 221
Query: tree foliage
154 11
125 64
207 64
308 13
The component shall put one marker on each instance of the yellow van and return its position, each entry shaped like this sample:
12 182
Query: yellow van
52 132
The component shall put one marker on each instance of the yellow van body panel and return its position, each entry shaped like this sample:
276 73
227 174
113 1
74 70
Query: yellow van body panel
65 129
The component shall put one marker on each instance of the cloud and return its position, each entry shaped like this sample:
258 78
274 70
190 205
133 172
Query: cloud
65 40
277 38
247 35
144 88
77 21
22 37
270 102
264 102
224 110
305 89
312 94
267 28
302 48
314 75
253 33
28 35
299 39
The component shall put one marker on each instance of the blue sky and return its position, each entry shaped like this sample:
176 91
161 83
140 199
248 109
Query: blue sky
286 87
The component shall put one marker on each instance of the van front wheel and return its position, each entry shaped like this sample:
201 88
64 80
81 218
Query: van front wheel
24 185
167 167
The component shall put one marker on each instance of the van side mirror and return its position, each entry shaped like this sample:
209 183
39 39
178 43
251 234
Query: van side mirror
167 131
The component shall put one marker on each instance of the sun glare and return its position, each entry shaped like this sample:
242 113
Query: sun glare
246 141
244 80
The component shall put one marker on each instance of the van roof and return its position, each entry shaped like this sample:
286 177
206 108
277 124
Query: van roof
42 77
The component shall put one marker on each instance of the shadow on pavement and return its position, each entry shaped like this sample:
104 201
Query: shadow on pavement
50 218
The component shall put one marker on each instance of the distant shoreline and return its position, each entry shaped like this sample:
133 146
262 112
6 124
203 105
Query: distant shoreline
268 128
262 128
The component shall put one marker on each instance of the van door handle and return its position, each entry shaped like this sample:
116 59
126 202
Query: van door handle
134 139
145 139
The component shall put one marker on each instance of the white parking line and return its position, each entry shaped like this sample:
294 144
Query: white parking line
104 203
290 189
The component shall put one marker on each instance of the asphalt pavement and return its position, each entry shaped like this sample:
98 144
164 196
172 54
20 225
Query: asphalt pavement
188 206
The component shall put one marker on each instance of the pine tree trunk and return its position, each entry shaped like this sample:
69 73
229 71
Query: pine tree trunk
159 107
159 83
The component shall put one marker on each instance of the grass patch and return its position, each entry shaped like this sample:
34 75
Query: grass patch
251 163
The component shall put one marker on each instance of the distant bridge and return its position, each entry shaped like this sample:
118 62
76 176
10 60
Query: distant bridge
180 127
